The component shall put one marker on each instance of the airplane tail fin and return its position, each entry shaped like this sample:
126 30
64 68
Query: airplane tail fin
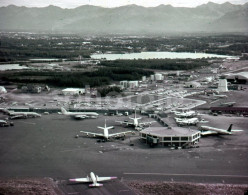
230 128
63 110
96 185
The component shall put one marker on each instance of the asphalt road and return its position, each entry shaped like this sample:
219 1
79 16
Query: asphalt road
47 147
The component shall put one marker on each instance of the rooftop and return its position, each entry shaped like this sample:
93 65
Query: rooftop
173 131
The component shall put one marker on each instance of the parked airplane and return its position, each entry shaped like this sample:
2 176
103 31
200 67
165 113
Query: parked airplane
136 124
14 115
105 133
206 130
93 178
186 114
3 123
191 121
79 115
229 104
187 121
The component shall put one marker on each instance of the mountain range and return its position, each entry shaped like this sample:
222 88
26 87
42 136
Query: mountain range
131 19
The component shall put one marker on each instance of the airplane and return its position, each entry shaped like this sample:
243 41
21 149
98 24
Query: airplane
3 123
191 121
79 115
229 104
14 115
105 133
206 130
220 96
93 178
186 114
136 124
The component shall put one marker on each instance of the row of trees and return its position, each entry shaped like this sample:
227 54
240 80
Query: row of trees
161 64
102 76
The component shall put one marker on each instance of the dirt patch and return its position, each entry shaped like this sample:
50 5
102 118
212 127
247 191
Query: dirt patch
45 186
172 188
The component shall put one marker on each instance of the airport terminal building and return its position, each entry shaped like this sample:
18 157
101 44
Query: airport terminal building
170 136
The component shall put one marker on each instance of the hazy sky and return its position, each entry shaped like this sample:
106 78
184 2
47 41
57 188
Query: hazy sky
112 3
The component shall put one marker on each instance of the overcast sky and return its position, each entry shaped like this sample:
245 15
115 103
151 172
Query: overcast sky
112 3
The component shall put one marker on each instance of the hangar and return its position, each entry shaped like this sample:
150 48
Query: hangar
170 136
238 78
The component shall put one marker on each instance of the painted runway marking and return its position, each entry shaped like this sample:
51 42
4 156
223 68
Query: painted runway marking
194 175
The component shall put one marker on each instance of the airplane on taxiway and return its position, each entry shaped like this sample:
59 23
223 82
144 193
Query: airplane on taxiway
79 115
93 178
136 124
14 115
207 130
105 133
229 104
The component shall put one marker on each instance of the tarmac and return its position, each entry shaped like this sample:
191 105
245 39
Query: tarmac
48 147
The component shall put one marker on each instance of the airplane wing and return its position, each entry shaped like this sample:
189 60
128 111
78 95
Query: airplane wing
86 179
17 116
105 178
80 116
121 133
208 133
93 134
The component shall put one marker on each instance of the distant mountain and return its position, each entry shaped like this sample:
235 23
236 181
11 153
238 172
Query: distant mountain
132 19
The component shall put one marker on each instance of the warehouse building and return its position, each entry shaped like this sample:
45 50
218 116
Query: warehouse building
170 136
230 110
238 78
73 91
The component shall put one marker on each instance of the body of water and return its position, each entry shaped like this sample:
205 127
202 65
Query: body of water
157 55
11 67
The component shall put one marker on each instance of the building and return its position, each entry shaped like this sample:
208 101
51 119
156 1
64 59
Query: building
230 110
192 84
170 136
143 78
158 77
124 84
238 78
222 85
31 89
73 91
133 84
152 77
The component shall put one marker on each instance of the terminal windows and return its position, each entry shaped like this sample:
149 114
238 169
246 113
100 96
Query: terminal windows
167 138
175 138
184 138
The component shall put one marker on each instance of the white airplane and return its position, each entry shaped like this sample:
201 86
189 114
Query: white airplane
79 115
105 133
191 121
3 123
190 113
93 178
228 104
135 122
206 130
220 96
14 115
